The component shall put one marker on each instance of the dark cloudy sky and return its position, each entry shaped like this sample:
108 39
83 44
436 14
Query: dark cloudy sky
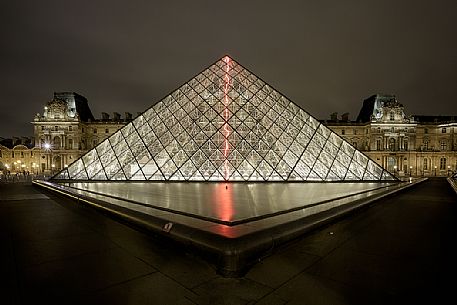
326 55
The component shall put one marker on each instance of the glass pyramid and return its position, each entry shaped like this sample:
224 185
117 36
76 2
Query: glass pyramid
225 124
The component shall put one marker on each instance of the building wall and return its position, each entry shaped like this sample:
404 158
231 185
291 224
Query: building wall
404 145
60 136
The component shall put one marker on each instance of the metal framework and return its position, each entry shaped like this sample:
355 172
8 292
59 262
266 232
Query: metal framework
225 124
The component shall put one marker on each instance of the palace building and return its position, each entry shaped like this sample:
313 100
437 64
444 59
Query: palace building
414 145
62 133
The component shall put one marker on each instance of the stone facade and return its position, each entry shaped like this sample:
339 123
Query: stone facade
62 133
414 145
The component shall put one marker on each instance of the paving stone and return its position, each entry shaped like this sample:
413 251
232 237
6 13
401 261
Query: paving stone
150 289
225 291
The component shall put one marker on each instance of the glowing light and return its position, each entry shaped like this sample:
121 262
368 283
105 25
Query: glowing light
47 146
226 116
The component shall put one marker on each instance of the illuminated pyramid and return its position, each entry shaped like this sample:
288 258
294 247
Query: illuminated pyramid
225 124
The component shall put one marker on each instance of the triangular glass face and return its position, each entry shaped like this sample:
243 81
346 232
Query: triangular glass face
225 124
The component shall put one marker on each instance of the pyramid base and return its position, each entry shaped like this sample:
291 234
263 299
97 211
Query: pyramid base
233 246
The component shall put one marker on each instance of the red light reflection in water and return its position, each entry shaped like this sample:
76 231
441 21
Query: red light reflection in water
226 116
222 197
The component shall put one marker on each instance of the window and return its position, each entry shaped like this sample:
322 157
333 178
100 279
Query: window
70 128
42 128
82 129
106 130
443 130
442 163
70 143
392 116
425 164
425 130
443 145
354 144
355 131
95 143
392 144
379 129
22 154
31 154
342 131
405 144
378 144
426 144
12 154
95 130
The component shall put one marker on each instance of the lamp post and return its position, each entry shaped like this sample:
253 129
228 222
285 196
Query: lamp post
410 170
395 170
435 170
448 169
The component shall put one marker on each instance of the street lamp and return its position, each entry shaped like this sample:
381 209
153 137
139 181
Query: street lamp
435 170
395 170
410 170
48 148
448 169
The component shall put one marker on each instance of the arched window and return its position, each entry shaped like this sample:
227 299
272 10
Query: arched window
392 144
405 144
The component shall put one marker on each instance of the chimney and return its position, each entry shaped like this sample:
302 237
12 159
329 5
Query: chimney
128 116
105 116
334 117
116 116
345 117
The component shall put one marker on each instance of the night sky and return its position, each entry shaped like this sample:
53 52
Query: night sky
326 55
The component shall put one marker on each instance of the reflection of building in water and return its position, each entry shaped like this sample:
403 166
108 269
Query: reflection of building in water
408 145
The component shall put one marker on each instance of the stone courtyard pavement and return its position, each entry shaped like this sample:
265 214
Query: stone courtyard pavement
401 250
